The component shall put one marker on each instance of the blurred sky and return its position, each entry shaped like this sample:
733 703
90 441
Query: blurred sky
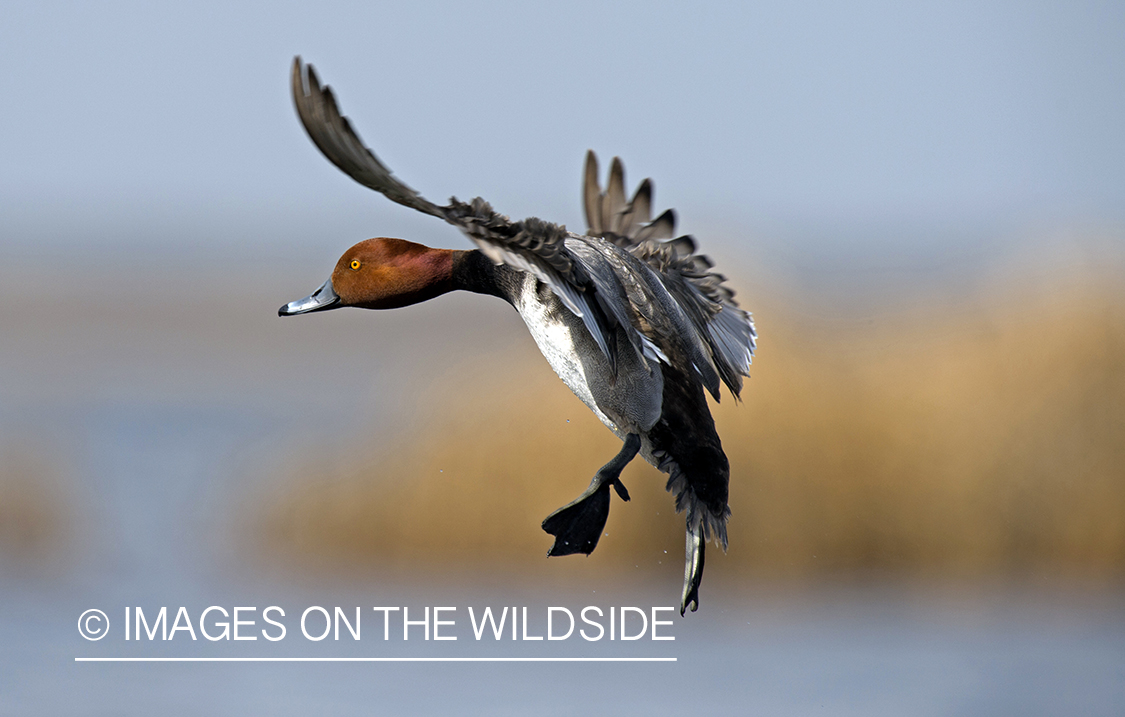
141 126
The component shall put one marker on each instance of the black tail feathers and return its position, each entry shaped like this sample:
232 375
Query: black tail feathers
693 568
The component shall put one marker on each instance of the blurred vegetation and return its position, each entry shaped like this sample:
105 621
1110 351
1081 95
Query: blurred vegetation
953 437
34 520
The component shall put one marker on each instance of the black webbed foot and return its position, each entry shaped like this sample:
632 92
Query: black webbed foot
578 525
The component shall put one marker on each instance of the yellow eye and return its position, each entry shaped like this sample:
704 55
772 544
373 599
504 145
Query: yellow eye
355 264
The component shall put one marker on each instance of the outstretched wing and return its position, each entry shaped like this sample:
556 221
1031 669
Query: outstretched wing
727 330
531 245
334 137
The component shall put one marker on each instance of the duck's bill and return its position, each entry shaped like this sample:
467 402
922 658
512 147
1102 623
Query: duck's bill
322 299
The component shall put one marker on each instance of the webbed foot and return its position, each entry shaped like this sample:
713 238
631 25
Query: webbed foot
577 526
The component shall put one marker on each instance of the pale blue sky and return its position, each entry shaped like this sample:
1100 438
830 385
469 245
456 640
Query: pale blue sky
142 124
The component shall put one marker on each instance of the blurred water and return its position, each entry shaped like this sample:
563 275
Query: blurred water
159 488
162 479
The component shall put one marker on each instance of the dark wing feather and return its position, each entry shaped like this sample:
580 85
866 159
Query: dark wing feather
592 196
334 137
727 330
664 227
668 331
613 203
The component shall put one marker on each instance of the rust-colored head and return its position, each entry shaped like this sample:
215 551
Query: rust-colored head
381 273
388 273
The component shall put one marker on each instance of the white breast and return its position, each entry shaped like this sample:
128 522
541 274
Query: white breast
626 403
559 340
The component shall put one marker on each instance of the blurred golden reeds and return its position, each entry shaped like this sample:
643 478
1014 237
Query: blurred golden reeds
957 437
34 517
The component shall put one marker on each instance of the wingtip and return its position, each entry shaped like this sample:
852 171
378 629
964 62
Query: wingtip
591 194
302 79
311 78
644 189
617 178
295 81
301 69
591 172
613 203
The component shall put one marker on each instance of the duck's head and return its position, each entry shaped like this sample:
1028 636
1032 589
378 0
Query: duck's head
380 273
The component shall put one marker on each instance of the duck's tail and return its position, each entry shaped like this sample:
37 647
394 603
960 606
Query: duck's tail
693 569
684 444
706 520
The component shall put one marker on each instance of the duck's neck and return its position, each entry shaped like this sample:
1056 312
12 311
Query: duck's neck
426 273
473 271
414 274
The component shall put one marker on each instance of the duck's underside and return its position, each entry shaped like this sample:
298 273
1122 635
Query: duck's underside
658 411
698 476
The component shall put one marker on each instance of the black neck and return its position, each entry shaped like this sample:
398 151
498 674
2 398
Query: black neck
473 271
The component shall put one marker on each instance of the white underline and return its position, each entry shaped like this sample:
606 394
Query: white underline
375 659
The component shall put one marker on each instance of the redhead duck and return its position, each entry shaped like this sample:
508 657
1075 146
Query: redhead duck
632 320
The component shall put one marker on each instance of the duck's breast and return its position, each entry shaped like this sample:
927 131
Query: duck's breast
626 403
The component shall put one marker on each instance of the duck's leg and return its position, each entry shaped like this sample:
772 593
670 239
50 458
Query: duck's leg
693 568
578 526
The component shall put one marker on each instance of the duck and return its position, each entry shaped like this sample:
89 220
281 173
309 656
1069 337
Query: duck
630 316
